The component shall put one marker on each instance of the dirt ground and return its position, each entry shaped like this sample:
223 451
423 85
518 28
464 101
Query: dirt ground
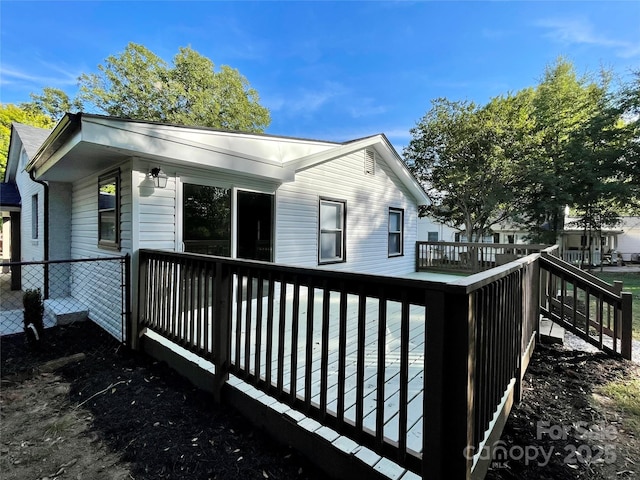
113 414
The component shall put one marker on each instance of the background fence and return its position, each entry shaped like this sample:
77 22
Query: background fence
72 290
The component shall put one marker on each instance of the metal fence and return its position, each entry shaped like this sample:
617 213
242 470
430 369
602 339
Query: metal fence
72 291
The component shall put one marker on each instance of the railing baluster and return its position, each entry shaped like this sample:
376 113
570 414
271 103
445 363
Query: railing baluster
269 350
362 320
248 331
342 347
324 359
281 333
259 308
309 345
380 375
404 377
295 313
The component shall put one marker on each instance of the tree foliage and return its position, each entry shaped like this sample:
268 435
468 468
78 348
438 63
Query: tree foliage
53 103
526 156
461 153
139 84
10 113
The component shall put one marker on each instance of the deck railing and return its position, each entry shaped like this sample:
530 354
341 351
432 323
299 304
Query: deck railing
401 366
467 257
597 312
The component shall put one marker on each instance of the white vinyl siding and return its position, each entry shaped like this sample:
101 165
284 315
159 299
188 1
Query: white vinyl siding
368 200
84 217
30 249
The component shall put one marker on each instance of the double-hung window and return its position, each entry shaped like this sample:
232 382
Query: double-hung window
331 241
109 210
396 231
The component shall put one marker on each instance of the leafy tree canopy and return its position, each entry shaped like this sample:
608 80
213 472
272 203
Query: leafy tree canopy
526 156
10 113
139 84
53 103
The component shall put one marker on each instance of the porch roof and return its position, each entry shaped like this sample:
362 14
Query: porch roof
9 196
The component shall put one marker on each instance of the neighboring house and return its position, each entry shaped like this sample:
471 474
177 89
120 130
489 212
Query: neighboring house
575 247
605 245
23 202
430 230
343 206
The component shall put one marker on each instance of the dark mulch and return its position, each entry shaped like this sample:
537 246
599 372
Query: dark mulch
164 428
161 425
559 431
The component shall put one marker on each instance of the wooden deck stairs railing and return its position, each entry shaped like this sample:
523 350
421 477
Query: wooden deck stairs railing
583 304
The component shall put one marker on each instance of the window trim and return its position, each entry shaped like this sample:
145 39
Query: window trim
400 211
110 177
343 257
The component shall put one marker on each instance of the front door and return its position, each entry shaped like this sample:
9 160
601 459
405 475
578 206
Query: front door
255 226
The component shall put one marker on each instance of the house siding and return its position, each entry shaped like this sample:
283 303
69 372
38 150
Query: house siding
368 199
59 239
31 249
103 294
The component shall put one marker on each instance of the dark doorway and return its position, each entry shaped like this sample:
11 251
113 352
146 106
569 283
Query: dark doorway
255 226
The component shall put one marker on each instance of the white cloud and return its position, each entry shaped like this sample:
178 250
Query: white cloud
15 75
581 31
305 100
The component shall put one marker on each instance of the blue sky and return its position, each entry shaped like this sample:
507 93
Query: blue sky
328 70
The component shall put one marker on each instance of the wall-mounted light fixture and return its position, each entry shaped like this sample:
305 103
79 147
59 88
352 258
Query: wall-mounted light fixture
159 177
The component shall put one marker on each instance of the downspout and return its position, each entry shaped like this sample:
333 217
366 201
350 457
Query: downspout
45 186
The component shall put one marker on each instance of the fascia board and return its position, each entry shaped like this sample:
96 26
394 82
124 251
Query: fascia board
174 149
41 166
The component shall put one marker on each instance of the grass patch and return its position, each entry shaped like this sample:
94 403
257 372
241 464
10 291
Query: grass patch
625 395
631 283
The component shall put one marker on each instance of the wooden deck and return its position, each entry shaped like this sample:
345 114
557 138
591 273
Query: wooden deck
411 371
391 368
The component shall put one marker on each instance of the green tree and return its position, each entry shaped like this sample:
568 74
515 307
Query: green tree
628 106
566 108
53 103
10 113
139 84
457 153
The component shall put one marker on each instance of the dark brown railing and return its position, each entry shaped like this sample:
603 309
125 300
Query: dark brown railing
381 360
469 257
596 311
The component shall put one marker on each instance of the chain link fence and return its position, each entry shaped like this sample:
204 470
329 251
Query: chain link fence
85 304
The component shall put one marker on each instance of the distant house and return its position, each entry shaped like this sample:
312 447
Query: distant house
575 246
348 206
21 199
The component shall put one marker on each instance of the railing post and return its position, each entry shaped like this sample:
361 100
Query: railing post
448 387
627 325
131 324
133 340
222 328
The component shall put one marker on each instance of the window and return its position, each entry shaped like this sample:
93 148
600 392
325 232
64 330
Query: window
34 217
206 222
331 243
369 162
109 210
396 231
432 236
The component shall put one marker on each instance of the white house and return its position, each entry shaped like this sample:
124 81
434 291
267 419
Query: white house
90 190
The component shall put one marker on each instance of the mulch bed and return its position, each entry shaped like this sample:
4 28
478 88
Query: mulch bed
161 425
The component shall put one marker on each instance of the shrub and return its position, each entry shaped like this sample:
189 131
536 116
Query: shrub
33 312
